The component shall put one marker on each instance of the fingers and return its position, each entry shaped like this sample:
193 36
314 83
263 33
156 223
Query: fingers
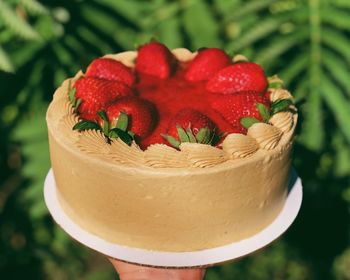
128 271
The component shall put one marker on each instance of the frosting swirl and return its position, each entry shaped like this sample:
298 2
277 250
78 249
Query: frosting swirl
266 135
239 145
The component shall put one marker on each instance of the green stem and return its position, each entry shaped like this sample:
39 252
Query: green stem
314 135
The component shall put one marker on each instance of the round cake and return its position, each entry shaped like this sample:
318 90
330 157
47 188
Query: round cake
161 161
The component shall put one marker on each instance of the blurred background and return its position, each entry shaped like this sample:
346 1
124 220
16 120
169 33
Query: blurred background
306 42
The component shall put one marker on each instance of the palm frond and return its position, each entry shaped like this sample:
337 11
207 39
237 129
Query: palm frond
338 104
201 26
34 7
5 62
16 23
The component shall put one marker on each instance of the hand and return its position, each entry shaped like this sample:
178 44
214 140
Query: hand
128 271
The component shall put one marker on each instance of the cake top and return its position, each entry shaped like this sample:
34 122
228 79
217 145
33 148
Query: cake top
205 102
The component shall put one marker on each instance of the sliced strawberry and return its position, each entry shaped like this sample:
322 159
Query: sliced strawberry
95 94
190 125
155 59
206 63
242 76
111 69
242 105
141 115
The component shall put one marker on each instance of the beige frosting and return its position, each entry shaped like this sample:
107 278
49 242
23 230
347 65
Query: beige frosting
239 145
163 199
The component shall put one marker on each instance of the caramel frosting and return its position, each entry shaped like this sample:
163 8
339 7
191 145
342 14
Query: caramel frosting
266 135
165 199
239 146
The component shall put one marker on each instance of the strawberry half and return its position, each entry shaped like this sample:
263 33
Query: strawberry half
242 107
155 59
206 63
111 69
94 94
242 76
189 125
140 113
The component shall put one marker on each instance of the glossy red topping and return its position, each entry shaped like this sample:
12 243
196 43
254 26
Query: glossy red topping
174 102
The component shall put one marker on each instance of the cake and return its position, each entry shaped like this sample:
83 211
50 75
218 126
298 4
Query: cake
181 173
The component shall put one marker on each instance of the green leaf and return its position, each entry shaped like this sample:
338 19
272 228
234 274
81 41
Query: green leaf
16 23
104 117
337 41
172 141
34 8
85 125
248 121
201 25
122 122
263 111
203 135
182 134
191 135
280 105
337 17
339 105
337 68
5 62
124 136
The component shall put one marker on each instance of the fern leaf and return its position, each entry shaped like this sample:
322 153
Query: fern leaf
256 32
336 17
313 131
339 105
249 7
301 91
5 62
341 3
201 26
337 41
16 24
294 68
337 68
279 46
34 8
170 32
32 133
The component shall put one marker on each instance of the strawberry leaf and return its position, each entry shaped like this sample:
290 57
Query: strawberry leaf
85 125
77 103
191 135
124 136
182 134
203 135
172 141
248 121
122 122
281 105
275 82
71 93
263 111
104 117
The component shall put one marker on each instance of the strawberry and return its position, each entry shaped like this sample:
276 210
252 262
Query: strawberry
111 69
241 76
140 113
189 125
94 94
244 105
155 59
206 63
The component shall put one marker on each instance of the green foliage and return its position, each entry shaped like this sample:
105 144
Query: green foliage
306 42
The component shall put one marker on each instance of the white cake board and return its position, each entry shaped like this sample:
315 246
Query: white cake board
177 259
